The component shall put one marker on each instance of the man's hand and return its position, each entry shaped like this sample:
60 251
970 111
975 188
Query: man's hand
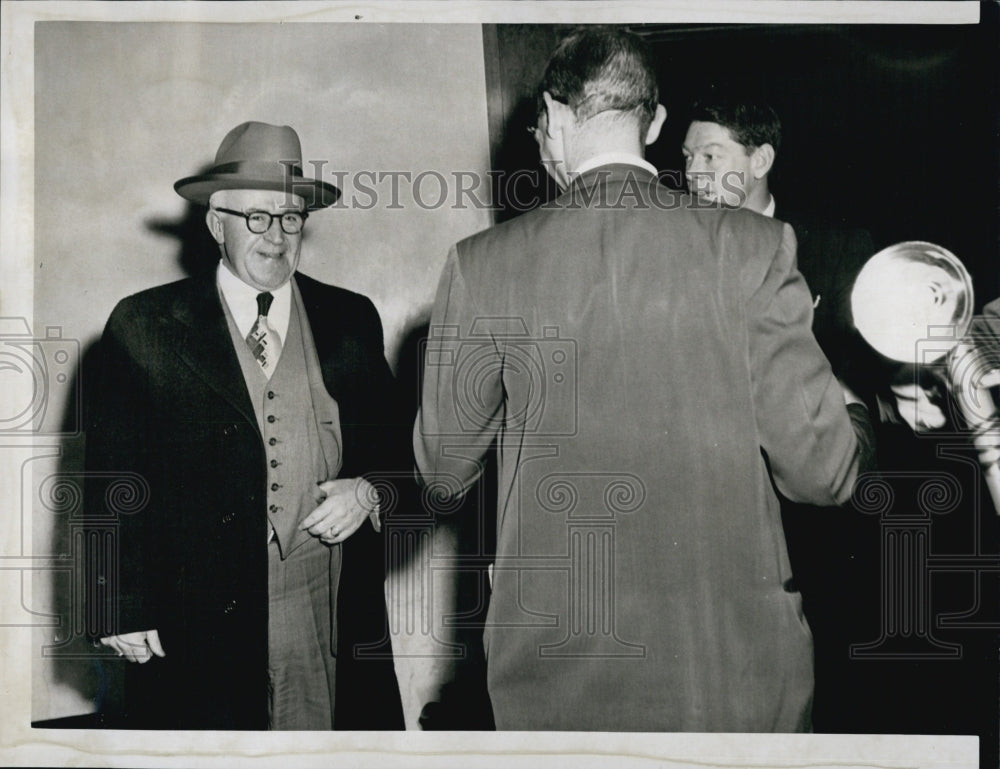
918 407
136 647
348 502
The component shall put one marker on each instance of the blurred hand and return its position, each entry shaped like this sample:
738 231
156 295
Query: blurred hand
136 647
917 407
347 502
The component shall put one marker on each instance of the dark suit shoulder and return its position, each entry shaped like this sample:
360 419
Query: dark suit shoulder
832 256
333 306
823 240
315 291
162 295
139 309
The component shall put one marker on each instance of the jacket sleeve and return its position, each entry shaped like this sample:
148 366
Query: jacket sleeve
462 397
802 420
120 558
461 403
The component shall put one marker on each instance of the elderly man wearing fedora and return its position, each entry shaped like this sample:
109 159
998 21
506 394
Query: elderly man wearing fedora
251 408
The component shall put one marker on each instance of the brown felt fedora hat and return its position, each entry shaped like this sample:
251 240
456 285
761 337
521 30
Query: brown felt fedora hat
259 156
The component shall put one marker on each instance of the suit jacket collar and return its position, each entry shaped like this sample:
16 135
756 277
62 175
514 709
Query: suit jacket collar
596 187
612 172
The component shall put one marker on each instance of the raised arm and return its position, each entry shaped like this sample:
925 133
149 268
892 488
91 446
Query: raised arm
802 418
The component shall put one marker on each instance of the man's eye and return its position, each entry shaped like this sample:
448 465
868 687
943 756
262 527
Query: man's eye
258 218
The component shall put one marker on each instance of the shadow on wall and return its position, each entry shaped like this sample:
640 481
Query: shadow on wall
197 249
74 662
464 703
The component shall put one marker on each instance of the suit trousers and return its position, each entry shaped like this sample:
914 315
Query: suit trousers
301 660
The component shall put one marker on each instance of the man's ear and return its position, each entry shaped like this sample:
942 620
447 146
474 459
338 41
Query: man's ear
654 128
556 113
761 160
214 222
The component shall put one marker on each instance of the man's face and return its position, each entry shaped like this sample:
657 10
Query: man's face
265 261
718 168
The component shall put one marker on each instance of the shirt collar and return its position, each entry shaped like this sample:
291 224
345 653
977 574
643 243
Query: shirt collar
610 158
769 208
242 302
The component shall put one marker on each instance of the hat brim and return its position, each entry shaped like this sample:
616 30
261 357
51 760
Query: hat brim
317 194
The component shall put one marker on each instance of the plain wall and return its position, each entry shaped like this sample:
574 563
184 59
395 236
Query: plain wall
123 110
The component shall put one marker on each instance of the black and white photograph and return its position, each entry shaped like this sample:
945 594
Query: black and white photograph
500 383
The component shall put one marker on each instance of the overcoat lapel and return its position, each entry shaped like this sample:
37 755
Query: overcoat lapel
205 345
320 315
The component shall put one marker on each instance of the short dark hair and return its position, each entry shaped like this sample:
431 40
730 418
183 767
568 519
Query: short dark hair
751 123
598 68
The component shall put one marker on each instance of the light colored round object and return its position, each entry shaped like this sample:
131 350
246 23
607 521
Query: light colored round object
909 292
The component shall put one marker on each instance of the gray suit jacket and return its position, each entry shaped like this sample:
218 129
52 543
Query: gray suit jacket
648 370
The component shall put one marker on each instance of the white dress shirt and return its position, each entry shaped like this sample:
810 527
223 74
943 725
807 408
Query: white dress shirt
242 302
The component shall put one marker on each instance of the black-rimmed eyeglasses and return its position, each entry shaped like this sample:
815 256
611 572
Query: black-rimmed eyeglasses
259 222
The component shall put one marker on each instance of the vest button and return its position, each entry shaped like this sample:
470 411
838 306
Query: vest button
275 486
273 508
274 463
270 418
272 441
270 395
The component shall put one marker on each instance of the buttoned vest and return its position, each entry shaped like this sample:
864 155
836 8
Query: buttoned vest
300 424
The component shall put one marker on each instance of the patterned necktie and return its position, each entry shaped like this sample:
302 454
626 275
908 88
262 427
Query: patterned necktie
263 340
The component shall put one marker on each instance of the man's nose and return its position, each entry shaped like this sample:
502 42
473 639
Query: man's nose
699 178
274 233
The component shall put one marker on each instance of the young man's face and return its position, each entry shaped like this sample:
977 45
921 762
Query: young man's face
719 169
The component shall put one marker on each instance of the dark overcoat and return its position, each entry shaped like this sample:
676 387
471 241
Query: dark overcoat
176 503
